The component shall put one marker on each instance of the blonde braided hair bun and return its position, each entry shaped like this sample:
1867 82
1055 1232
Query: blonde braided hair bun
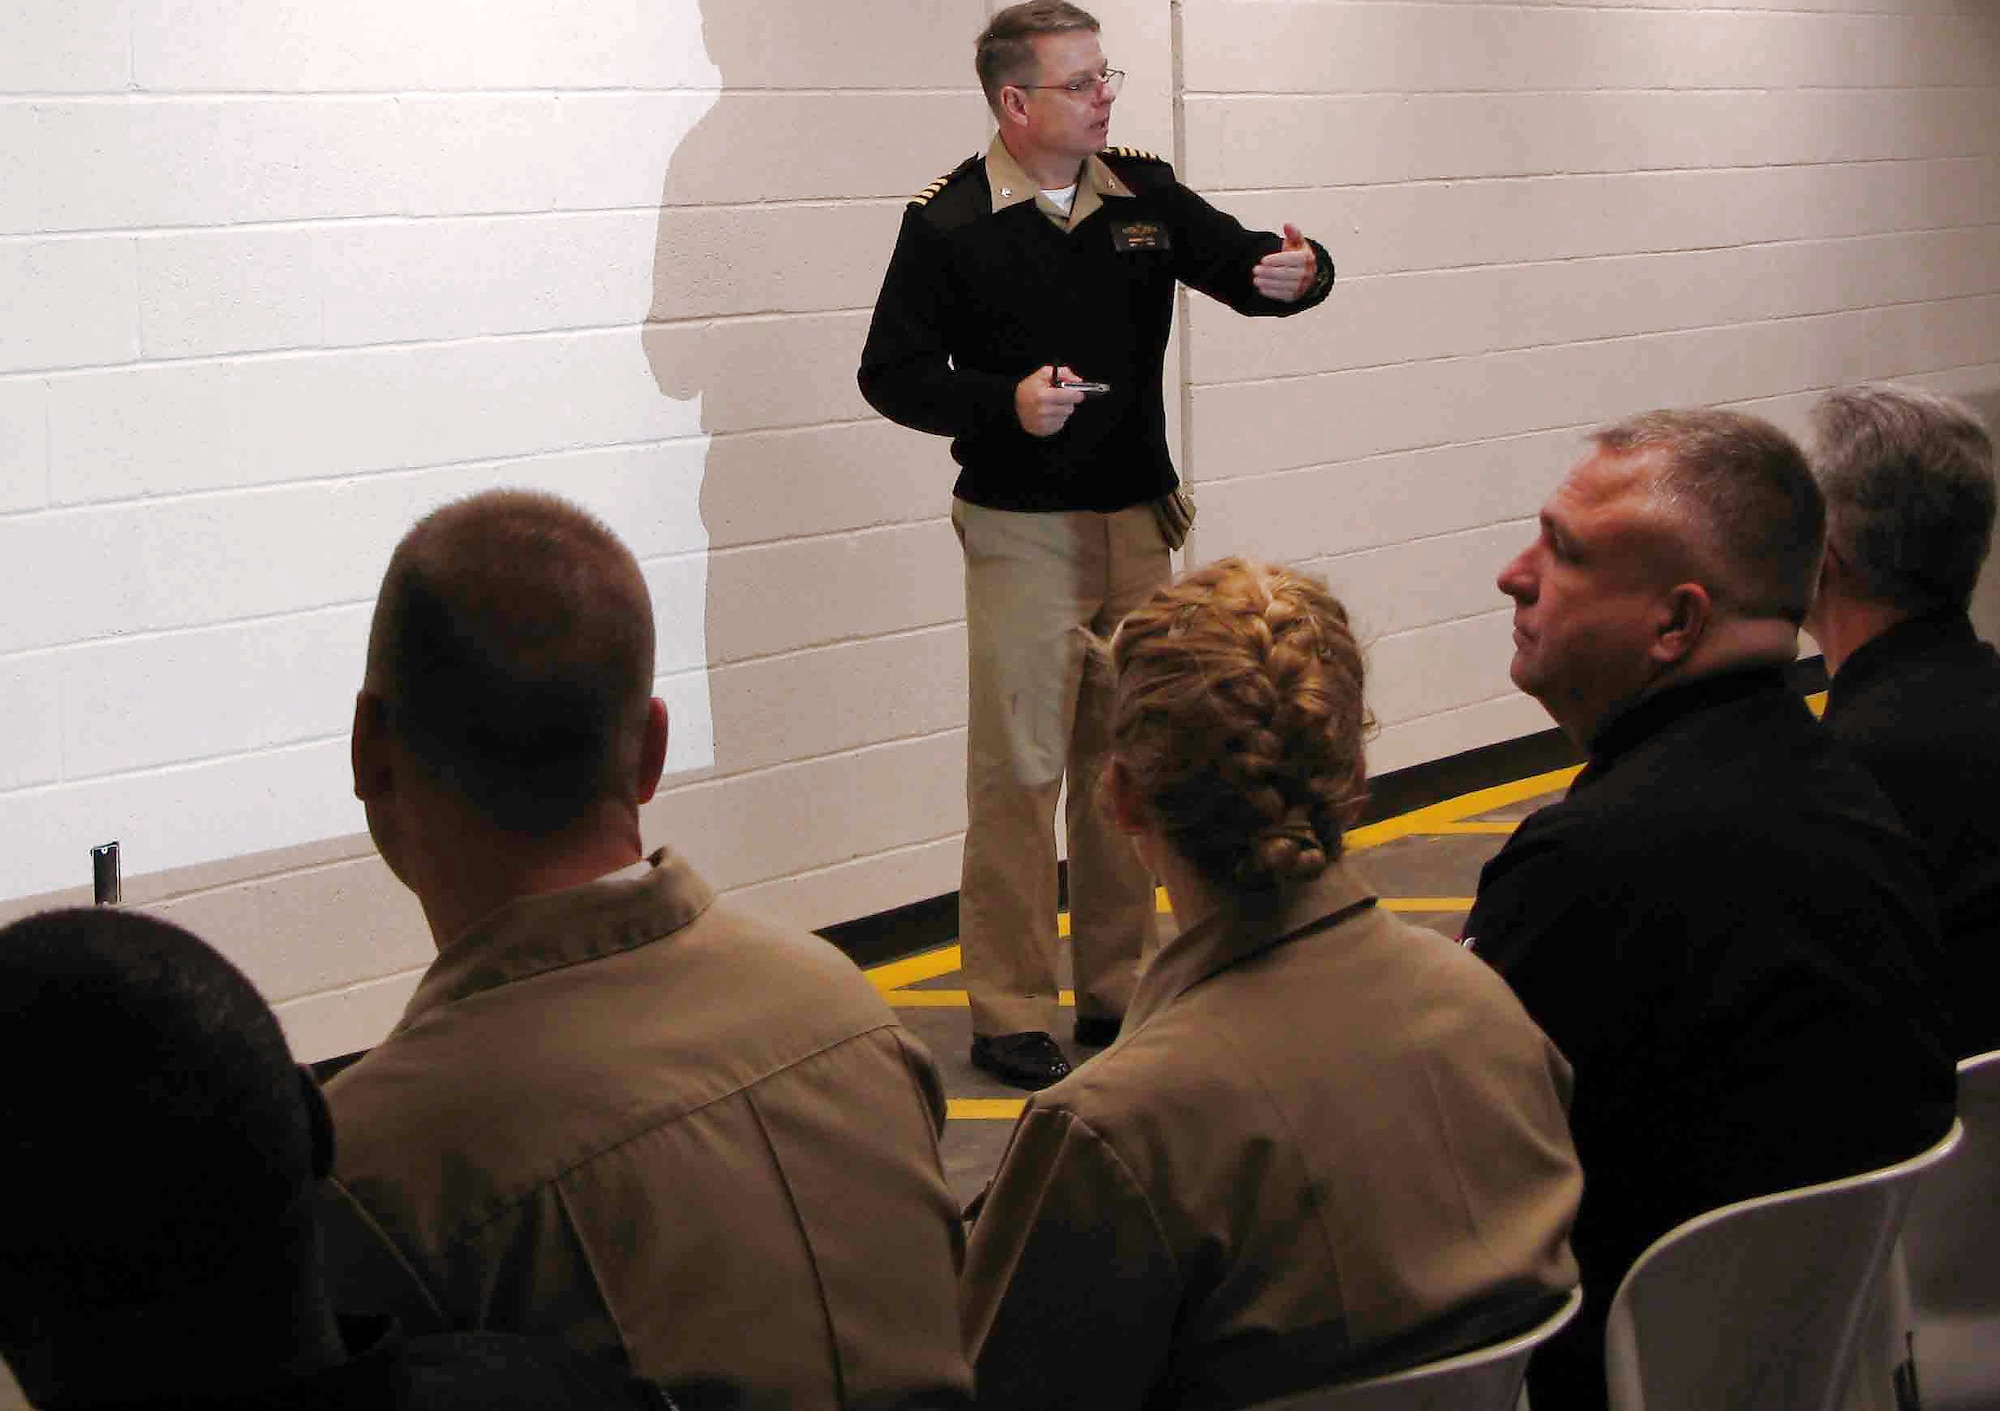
1239 718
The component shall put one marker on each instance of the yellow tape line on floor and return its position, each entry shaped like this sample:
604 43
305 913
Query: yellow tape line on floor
1440 815
984 1109
1452 816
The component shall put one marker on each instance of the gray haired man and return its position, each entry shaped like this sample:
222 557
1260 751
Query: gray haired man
1915 696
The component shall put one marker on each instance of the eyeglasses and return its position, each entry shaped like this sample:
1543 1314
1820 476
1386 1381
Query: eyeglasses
1111 81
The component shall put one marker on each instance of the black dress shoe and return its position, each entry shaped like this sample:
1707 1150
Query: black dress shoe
1028 1060
1096 1030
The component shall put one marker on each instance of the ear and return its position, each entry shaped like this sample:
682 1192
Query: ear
1122 801
1685 614
368 747
1013 107
1833 572
1826 585
653 749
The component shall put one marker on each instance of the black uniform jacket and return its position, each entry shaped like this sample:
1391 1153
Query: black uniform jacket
976 298
1728 934
1919 706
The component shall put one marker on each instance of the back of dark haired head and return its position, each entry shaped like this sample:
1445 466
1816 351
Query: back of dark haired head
513 649
1239 718
1755 516
153 1133
1910 493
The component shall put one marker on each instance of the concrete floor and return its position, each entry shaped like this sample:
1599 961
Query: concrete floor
1425 865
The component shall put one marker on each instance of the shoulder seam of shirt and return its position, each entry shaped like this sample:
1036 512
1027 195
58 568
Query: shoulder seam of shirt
1099 1140
458 1234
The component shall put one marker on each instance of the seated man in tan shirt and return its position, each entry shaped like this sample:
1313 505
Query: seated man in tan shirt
614 1111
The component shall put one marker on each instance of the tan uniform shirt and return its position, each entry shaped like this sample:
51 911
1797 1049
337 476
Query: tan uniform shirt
1318 1150
625 1117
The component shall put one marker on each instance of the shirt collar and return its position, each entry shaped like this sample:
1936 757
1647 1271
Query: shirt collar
1641 722
532 935
1246 926
1008 185
1885 653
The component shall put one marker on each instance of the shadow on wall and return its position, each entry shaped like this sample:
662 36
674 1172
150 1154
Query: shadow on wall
742 317
777 214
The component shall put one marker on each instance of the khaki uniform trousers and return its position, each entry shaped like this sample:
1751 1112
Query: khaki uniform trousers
1036 587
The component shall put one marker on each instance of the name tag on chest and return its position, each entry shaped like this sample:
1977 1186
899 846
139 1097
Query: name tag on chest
1130 235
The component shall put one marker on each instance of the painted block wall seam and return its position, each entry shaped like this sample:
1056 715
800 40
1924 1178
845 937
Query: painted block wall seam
1332 140
821 571
1441 401
243 158
224 293
1468 310
803 706
1416 48
867 464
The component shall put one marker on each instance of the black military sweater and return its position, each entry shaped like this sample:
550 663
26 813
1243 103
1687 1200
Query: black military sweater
1729 935
1919 707
976 299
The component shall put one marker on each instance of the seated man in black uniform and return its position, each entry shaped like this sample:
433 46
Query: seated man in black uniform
158 1152
1722 926
1915 696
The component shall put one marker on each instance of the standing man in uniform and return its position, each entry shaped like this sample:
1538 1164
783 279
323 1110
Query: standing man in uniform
1025 315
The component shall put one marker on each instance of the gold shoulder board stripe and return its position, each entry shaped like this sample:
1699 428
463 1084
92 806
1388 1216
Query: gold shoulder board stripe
923 197
1141 153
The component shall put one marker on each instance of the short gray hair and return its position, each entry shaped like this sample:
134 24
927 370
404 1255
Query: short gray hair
1743 488
1908 477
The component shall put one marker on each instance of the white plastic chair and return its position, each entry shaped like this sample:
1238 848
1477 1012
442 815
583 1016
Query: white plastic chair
1946 1276
1485 1379
1761 1305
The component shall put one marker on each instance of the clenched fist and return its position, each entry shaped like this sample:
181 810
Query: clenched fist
1040 405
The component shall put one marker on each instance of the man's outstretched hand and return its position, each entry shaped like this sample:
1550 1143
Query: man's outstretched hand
1287 273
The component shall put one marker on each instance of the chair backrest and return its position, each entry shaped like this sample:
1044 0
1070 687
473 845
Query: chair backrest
1485 1379
1760 1304
1951 1240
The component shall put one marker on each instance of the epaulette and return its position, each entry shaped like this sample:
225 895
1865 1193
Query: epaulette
1139 154
923 197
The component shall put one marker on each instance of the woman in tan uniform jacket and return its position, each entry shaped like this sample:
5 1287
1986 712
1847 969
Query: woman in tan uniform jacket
1328 1143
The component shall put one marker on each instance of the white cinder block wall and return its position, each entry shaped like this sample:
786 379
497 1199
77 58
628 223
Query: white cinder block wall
1549 215
277 277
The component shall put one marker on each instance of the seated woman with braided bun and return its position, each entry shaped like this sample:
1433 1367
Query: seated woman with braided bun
1328 1143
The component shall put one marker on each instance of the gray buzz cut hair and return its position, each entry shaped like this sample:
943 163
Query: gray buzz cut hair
1756 520
1908 477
